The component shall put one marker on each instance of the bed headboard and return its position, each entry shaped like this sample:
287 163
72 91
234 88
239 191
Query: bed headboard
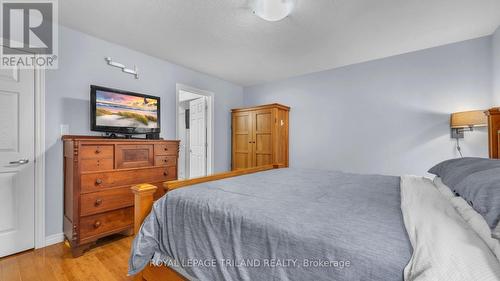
493 131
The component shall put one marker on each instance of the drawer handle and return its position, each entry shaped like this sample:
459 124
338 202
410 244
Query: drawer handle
98 181
97 151
165 173
165 160
98 202
97 224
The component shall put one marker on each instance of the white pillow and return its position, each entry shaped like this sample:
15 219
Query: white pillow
443 189
473 218
496 232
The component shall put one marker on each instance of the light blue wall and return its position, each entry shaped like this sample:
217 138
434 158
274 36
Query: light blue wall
496 66
81 63
389 116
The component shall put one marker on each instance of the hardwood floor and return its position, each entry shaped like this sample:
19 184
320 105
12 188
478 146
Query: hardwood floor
106 262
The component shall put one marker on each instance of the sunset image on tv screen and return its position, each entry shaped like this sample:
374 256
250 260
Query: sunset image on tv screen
119 110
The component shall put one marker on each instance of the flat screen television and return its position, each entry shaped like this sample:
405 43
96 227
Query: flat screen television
123 112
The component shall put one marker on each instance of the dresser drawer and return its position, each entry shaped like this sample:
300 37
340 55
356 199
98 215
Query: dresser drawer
96 151
91 182
134 156
106 223
165 160
107 200
89 165
171 173
166 149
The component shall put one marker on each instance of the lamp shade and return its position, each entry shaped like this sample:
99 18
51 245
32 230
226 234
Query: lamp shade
475 118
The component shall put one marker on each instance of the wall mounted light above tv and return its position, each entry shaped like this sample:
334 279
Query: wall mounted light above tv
122 112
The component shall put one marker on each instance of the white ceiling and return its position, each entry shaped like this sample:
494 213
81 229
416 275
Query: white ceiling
223 38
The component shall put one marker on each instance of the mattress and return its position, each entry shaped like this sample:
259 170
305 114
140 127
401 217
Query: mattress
285 224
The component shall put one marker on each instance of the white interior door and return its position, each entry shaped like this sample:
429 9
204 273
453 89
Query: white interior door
182 145
198 138
16 161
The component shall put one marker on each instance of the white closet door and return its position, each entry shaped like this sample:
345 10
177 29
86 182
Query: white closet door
16 161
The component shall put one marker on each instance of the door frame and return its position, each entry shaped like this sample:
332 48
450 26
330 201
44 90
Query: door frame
39 188
210 120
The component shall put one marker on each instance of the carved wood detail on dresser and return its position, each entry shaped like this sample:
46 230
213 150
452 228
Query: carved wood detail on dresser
98 174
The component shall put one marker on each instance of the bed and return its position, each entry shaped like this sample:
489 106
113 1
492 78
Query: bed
299 224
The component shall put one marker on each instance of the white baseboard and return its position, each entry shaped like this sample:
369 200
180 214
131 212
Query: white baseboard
54 239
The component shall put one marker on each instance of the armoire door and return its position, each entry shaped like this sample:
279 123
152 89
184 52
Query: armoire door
242 140
262 138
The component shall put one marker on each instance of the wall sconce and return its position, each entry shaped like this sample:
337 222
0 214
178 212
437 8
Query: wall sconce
461 122
121 66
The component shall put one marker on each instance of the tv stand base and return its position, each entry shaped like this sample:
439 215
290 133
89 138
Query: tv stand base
154 136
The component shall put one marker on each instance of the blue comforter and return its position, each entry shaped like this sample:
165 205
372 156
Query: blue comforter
286 224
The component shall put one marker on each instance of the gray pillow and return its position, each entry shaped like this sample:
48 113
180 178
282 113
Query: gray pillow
477 180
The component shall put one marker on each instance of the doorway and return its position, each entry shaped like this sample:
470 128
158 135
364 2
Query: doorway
195 131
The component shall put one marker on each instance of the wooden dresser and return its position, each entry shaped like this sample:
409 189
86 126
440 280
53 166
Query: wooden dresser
260 136
98 174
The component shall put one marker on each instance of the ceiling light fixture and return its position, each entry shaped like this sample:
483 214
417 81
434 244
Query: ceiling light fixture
272 10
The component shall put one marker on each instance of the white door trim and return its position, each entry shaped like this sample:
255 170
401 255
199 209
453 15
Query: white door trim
210 119
39 158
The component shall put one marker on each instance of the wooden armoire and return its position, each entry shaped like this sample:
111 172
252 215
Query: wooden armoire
260 136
